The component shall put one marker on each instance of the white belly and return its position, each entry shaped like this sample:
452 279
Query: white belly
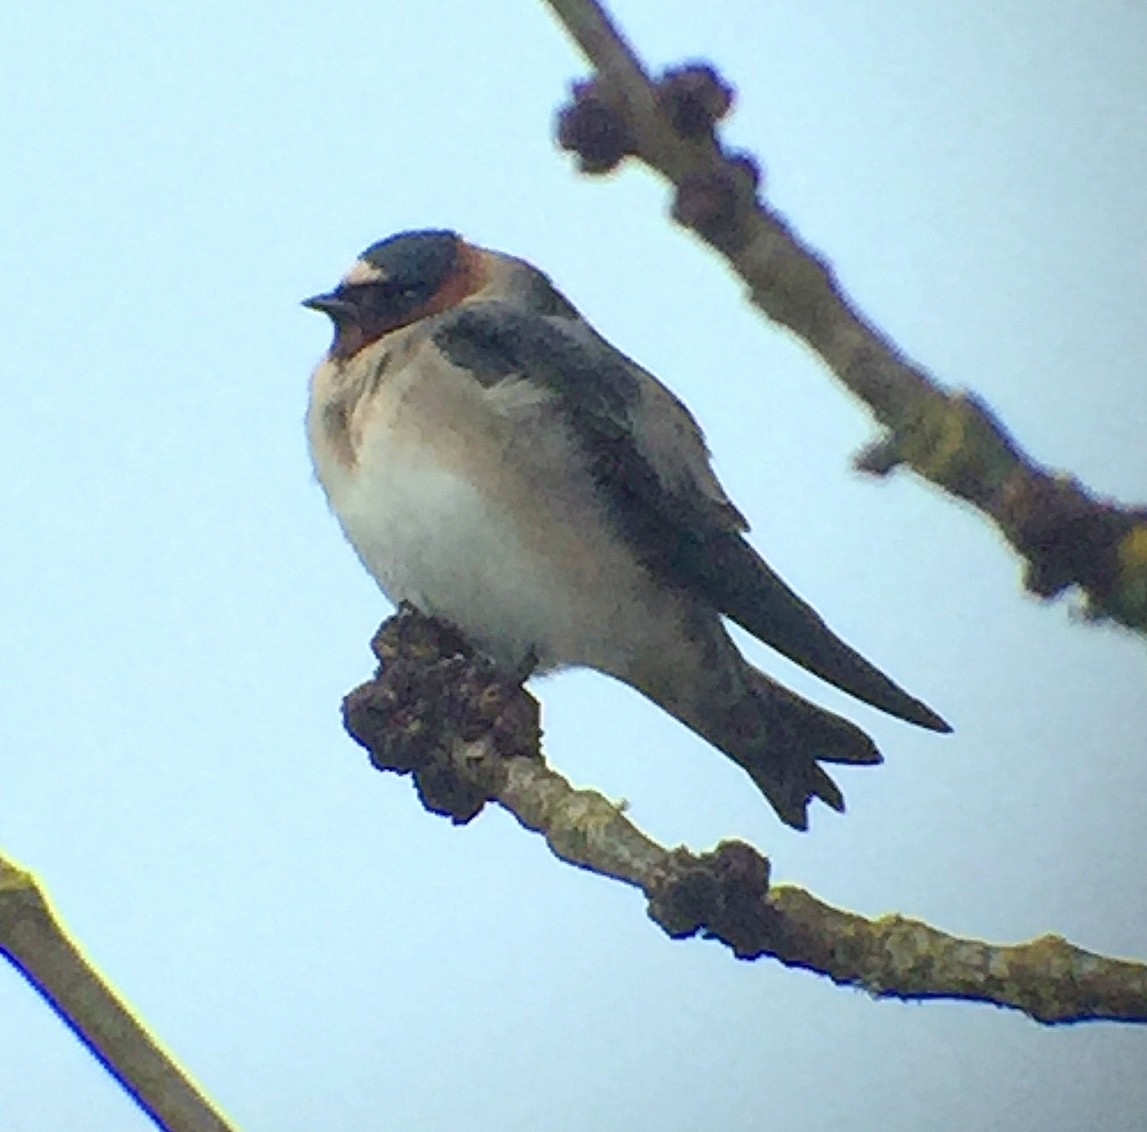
430 538
471 505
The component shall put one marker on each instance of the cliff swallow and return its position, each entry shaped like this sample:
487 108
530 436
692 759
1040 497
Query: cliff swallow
496 463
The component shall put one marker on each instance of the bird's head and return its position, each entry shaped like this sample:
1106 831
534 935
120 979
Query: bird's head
413 275
398 281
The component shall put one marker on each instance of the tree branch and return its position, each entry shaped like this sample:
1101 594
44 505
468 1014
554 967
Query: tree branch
438 712
38 946
1064 533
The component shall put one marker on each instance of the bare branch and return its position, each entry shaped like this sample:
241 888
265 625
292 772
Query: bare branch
436 711
35 942
1065 534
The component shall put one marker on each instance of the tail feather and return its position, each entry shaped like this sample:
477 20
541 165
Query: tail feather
774 734
780 739
793 737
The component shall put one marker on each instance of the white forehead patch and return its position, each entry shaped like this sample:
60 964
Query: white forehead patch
362 272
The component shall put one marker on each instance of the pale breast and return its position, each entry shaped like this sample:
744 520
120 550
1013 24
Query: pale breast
471 504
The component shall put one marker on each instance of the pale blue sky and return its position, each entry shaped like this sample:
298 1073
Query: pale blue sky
182 616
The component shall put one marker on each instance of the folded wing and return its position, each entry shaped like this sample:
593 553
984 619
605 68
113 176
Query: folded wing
649 458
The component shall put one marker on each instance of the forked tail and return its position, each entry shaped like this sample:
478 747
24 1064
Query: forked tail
781 739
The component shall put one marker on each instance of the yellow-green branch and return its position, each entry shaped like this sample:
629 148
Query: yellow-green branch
1065 535
436 711
38 946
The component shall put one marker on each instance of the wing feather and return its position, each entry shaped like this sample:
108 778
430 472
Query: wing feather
649 459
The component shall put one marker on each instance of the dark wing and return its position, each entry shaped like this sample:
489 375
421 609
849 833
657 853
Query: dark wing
649 458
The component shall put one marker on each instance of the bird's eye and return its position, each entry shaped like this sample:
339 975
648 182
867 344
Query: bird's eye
382 293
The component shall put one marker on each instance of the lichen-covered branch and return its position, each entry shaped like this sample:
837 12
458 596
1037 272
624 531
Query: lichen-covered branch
439 713
38 946
1065 534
